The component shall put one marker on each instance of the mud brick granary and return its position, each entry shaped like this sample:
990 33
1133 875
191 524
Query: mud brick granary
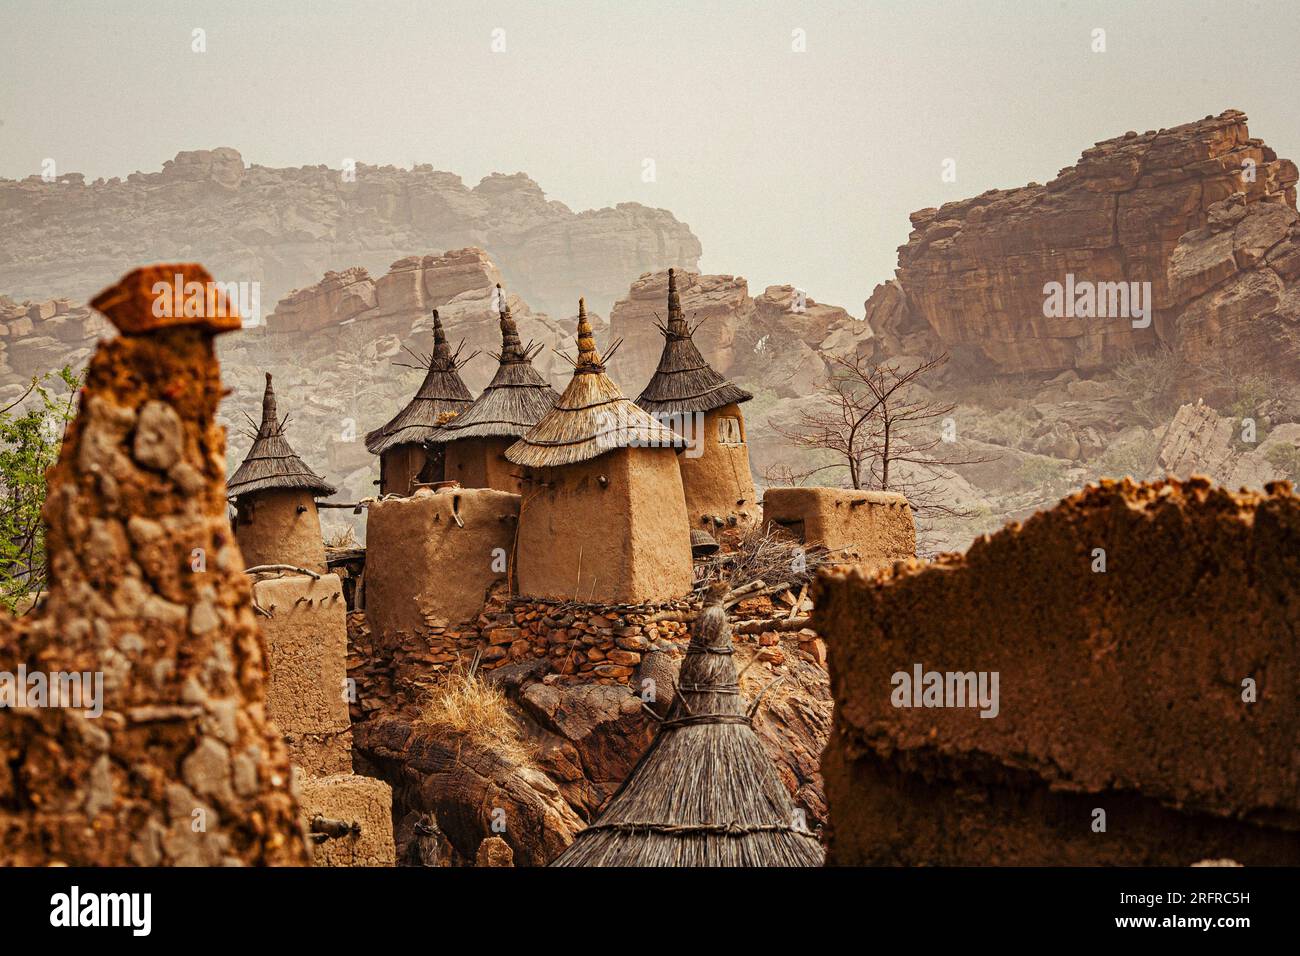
409 446
275 494
603 516
475 441
687 394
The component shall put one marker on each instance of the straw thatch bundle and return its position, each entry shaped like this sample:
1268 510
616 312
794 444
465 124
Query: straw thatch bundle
271 462
441 395
516 398
705 793
591 418
684 382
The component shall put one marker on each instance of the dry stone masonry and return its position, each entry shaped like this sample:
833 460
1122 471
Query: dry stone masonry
146 589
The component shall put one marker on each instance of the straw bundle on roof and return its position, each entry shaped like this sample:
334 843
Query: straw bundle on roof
684 382
705 793
441 392
516 398
271 462
591 418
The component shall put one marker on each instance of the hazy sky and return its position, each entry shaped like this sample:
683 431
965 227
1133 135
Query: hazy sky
796 167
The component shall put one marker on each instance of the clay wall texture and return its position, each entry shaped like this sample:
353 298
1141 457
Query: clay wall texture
271 530
716 476
425 569
872 528
622 542
481 463
306 647
1120 690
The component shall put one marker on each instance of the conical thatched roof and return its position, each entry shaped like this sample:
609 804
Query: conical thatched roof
441 394
591 418
271 462
706 792
684 382
516 398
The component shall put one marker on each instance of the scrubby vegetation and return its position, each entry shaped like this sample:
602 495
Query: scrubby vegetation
465 705
31 435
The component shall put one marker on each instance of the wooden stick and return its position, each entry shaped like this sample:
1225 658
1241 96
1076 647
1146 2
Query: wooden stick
798 602
771 624
281 567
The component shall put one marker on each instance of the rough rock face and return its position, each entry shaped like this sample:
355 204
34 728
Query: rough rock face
971 277
394 310
1159 693
1236 285
147 589
284 227
1197 441
773 340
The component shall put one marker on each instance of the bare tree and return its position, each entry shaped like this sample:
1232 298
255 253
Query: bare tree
884 431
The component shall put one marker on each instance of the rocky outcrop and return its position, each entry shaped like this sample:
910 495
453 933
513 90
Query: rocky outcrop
971 278
1235 284
776 341
284 227
148 597
1110 683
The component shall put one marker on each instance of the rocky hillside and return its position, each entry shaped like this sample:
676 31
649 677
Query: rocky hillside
1203 212
286 227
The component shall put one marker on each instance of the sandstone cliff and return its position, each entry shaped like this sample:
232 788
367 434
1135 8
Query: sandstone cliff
1203 212
284 227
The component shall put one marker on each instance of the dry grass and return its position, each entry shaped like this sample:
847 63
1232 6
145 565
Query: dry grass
465 705
341 538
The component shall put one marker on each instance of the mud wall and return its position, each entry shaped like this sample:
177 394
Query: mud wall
481 463
716 476
871 528
306 646
611 530
1146 642
280 526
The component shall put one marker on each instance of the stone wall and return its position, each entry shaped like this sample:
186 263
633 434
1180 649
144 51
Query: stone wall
146 590
1156 689
591 643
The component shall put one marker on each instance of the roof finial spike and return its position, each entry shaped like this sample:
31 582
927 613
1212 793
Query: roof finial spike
270 417
588 357
676 318
441 350
512 349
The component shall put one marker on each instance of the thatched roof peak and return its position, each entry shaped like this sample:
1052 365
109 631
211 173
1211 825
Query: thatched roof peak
442 393
516 398
676 317
705 793
512 350
271 463
592 417
588 358
684 382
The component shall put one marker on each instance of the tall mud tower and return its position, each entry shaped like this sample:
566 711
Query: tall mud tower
146 589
